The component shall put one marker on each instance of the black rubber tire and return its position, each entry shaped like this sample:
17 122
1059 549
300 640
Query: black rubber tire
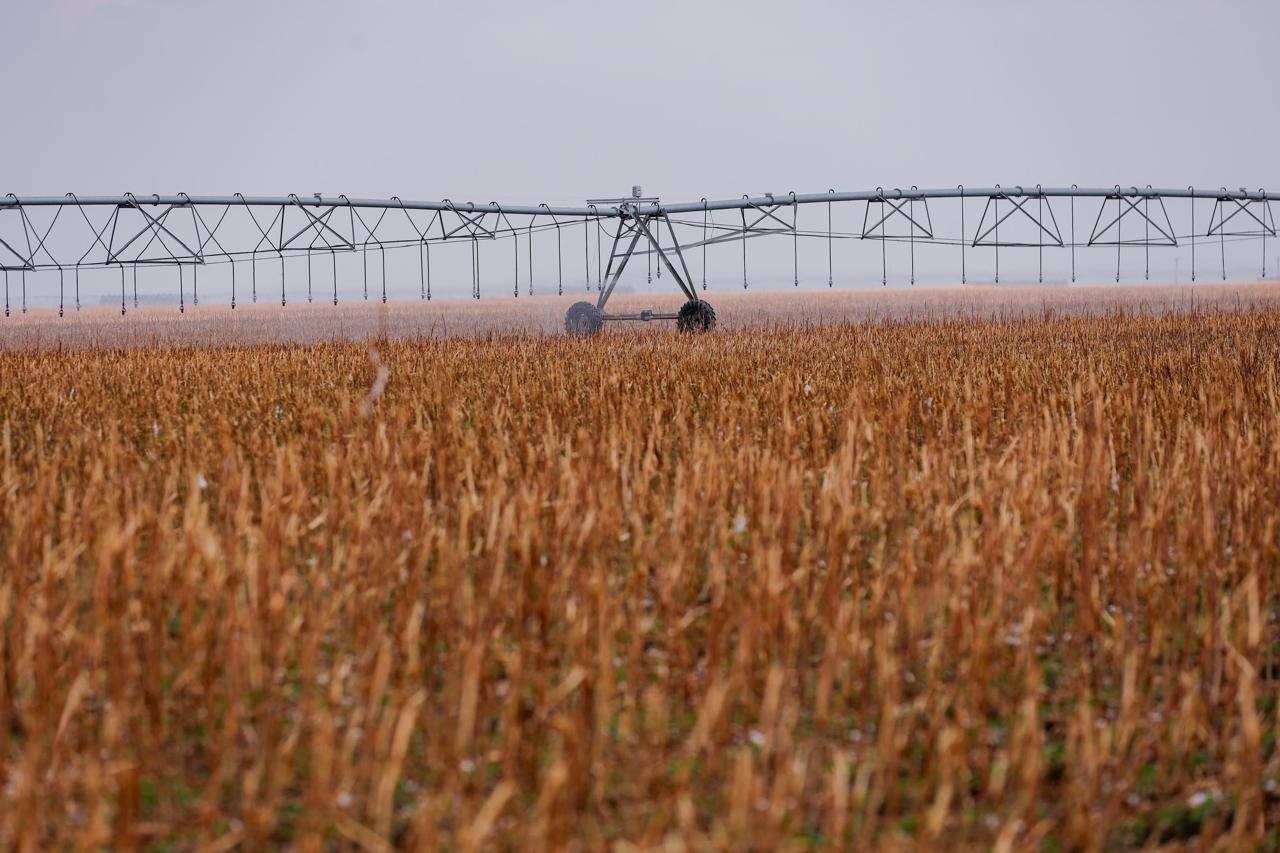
696 317
583 319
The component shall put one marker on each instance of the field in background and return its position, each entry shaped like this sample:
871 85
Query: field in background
355 321
951 582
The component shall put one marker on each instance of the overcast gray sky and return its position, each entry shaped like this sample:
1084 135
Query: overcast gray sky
558 101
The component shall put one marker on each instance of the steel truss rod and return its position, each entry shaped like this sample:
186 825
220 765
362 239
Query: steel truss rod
1044 231
1266 224
896 209
1126 205
637 226
238 228
957 192
471 209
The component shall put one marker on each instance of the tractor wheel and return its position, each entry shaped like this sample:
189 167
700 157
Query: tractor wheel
583 319
696 316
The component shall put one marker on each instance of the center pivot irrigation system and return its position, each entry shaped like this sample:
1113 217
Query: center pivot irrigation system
70 234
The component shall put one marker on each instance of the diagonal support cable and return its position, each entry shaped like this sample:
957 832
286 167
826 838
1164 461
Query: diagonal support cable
317 223
1167 237
1268 230
159 225
896 209
1019 206
684 286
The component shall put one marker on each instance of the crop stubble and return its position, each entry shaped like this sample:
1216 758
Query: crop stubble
953 580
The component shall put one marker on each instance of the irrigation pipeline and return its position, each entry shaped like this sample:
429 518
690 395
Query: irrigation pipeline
624 207
70 233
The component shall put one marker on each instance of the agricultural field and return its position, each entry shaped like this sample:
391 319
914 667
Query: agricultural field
1002 574
267 322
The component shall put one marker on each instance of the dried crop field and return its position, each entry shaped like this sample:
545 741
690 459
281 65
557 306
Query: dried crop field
219 325
972 582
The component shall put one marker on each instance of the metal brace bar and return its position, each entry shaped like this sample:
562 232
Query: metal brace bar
160 225
640 221
316 223
608 291
1269 230
1096 234
1018 207
897 208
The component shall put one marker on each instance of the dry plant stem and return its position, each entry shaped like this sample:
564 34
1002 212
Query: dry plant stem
970 582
